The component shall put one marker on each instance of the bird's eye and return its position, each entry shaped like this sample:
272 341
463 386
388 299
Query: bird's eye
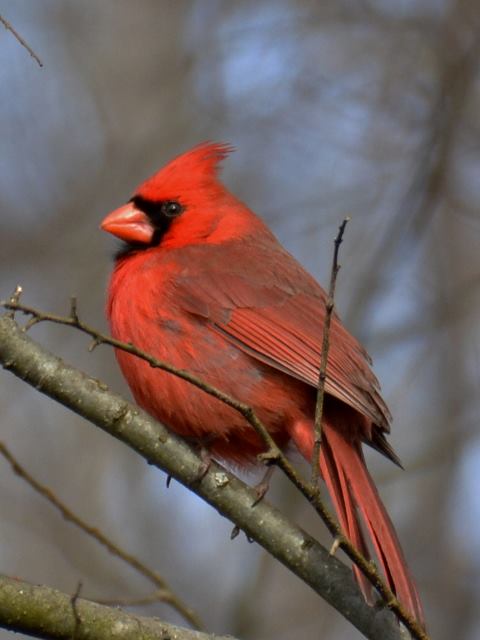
171 209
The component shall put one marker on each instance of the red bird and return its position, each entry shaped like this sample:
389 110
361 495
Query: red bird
204 285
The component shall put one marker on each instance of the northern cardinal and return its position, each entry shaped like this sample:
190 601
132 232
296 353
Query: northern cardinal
203 284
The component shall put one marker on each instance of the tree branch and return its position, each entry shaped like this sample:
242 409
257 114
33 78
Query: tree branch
322 375
163 592
41 611
20 40
298 551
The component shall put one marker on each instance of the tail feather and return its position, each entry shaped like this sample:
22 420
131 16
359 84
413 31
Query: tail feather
350 484
336 482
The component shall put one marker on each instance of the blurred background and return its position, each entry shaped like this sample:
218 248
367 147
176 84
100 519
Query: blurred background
337 107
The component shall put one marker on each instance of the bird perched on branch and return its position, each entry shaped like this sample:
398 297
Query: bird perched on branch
203 284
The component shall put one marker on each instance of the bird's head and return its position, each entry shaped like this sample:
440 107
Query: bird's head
181 203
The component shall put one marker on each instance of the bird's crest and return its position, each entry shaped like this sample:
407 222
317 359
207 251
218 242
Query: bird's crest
193 169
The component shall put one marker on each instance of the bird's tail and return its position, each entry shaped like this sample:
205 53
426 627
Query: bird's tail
353 492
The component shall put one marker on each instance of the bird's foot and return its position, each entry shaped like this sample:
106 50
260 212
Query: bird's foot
263 486
205 464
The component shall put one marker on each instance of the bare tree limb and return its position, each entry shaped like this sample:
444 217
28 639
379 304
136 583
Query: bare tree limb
162 593
298 551
41 611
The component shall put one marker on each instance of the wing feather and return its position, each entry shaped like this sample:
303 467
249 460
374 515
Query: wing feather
275 312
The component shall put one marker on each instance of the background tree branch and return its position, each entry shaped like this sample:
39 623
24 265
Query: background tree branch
163 591
297 550
48 613
21 40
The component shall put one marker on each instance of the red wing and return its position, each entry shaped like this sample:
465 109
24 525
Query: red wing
272 339
282 325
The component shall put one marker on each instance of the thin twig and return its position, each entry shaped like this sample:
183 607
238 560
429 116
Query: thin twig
322 376
167 595
19 39
335 546
14 299
76 615
273 454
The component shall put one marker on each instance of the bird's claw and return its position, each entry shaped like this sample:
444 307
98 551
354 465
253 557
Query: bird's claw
263 486
205 464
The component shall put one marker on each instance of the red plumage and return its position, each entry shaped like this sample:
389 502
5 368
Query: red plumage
204 285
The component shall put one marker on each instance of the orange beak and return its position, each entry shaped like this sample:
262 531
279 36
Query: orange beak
129 223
